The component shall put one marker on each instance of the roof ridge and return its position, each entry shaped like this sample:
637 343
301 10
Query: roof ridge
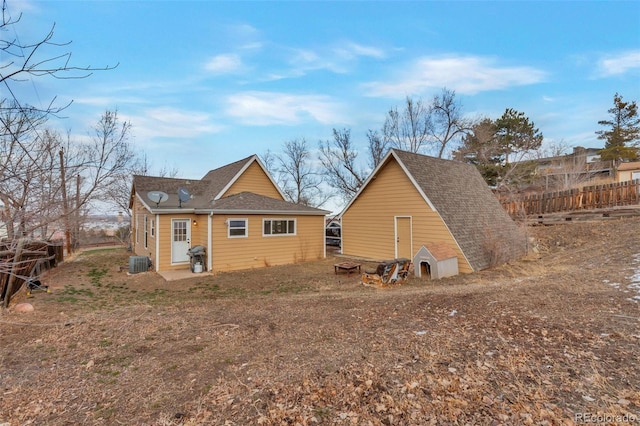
235 163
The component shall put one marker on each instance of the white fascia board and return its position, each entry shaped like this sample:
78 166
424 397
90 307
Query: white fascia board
365 184
415 184
144 203
373 174
173 211
267 212
242 170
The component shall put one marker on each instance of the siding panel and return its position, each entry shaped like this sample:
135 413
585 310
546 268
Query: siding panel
258 251
254 180
198 238
368 227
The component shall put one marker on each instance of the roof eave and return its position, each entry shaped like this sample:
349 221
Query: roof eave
267 212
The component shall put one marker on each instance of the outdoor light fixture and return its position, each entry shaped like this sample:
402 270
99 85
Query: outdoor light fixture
195 222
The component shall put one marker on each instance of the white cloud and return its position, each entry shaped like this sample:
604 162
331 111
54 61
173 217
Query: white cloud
338 60
19 6
109 101
224 64
267 108
244 31
352 50
464 74
304 60
620 64
171 123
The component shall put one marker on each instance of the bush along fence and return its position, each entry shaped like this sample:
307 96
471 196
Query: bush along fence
571 200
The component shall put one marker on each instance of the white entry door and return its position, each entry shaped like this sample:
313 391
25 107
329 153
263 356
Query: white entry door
403 237
180 239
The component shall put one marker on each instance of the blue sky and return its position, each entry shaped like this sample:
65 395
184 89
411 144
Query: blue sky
208 83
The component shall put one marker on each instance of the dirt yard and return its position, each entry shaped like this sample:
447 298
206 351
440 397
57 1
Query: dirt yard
552 339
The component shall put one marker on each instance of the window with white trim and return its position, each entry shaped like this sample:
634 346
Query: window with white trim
278 227
153 227
237 228
137 227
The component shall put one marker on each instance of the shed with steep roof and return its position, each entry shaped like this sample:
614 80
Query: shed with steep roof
410 200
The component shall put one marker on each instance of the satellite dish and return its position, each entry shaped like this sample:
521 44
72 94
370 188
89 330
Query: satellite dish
183 195
158 197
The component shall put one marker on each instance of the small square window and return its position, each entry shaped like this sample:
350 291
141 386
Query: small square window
237 228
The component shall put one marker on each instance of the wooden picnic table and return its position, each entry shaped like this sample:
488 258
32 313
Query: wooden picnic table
346 266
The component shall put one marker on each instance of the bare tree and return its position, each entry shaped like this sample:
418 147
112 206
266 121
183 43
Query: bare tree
24 60
45 179
408 129
26 166
339 161
270 159
447 123
379 145
119 191
301 182
100 165
559 169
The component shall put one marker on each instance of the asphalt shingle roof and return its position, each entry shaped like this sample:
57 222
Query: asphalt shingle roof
215 180
484 231
203 193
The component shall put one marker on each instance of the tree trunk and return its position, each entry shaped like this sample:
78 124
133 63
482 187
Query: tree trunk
65 204
14 272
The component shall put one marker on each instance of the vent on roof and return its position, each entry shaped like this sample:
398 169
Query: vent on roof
138 264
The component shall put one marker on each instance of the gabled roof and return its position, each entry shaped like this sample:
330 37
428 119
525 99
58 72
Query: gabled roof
142 185
216 182
248 202
206 193
462 198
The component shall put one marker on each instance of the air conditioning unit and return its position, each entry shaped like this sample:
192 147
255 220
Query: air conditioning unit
138 264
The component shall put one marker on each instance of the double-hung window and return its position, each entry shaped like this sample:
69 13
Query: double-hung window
237 228
279 227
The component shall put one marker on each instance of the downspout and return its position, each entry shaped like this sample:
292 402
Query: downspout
209 242
324 236
157 230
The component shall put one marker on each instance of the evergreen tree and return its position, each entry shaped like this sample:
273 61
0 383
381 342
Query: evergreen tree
623 131
499 149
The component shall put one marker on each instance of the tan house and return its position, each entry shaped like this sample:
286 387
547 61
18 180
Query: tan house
628 171
412 200
237 212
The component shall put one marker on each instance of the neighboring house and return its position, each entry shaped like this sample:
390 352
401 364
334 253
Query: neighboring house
628 171
411 200
237 212
582 167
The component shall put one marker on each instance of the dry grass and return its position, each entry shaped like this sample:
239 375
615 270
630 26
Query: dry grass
533 342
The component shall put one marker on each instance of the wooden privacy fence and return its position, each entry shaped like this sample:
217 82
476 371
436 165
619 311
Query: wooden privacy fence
585 198
22 260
